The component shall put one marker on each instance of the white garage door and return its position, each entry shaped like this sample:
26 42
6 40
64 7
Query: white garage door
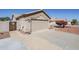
39 25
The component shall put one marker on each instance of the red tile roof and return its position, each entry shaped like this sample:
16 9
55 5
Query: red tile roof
56 20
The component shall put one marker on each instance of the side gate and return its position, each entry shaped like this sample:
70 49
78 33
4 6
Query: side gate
12 26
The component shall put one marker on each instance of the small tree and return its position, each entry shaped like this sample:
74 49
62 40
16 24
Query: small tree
74 22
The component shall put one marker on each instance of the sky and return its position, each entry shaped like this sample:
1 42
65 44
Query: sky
68 14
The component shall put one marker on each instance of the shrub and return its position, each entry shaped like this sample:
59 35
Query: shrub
74 22
4 18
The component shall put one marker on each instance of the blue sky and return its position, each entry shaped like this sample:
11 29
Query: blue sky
57 13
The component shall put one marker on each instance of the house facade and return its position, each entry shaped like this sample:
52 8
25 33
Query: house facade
31 22
53 22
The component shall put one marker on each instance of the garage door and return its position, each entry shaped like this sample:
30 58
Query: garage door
39 25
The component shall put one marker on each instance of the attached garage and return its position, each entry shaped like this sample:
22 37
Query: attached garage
33 21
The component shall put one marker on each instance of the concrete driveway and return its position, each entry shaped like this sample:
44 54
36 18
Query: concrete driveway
48 40
11 44
61 40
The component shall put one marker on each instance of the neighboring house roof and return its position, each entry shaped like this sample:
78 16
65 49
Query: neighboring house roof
32 13
55 20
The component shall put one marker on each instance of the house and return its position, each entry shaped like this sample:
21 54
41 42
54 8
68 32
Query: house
55 21
32 21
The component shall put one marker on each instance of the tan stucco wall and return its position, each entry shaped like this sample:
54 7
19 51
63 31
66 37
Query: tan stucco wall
23 26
